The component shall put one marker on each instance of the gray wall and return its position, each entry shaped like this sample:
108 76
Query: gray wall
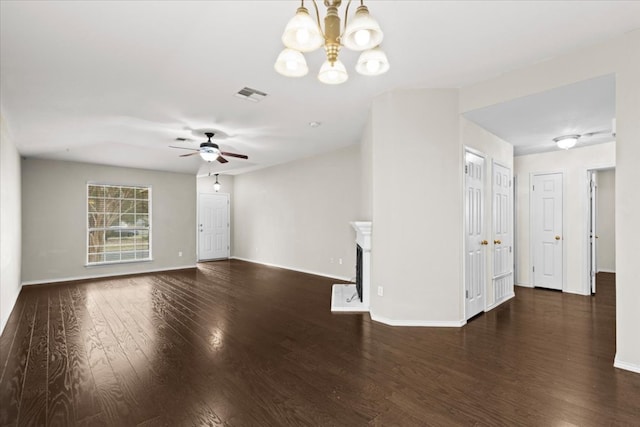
297 215
54 219
10 238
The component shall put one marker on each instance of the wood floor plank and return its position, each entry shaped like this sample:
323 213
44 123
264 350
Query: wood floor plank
33 402
83 388
15 364
233 343
130 384
10 333
116 409
60 409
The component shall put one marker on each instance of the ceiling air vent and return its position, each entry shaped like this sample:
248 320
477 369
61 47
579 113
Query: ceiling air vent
249 94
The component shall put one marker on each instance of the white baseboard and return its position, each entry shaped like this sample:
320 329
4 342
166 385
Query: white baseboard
569 291
500 302
300 270
605 270
422 323
626 366
100 276
524 285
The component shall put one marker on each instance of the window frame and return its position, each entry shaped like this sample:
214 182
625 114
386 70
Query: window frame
88 229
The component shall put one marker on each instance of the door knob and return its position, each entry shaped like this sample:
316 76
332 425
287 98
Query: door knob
497 242
557 237
484 242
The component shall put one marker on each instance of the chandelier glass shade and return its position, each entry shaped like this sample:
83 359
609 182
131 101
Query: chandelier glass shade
372 62
304 34
333 74
363 32
291 63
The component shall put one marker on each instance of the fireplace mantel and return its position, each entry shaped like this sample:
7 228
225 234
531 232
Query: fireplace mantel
363 234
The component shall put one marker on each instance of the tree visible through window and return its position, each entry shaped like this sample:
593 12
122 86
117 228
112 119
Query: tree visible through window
119 226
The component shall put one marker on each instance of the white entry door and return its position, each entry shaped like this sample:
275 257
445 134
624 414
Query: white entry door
502 233
546 235
475 235
593 203
213 226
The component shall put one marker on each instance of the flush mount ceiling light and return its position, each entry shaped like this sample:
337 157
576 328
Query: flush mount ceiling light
566 141
302 34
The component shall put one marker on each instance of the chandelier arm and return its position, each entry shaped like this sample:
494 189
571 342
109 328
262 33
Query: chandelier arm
315 5
346 17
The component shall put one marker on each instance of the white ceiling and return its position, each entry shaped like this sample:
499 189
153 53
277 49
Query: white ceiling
530 123
115 82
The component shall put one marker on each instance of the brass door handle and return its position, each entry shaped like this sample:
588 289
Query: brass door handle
557 237
497 242
484 242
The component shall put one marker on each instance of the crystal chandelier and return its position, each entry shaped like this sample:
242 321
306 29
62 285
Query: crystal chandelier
304 34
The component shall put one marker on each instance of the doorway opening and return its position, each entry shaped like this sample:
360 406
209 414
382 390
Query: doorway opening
601 227
213 226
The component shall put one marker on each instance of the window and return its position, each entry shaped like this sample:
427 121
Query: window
119 224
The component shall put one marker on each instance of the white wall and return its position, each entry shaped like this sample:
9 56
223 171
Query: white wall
297 215
54 205
627 201
500 151
574 165
417 208
366 165
10 223
606 221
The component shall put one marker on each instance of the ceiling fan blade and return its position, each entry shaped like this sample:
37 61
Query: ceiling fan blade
240 156
222 159
184 148
190 154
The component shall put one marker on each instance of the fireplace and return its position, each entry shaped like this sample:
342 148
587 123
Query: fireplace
359 271
355 297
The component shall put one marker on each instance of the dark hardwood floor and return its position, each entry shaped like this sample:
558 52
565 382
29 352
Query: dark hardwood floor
235 343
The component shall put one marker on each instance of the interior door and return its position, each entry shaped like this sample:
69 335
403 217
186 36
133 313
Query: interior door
546 233
593 193
475 236
213 226
502 233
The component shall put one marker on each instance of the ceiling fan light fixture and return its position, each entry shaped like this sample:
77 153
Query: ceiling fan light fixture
333 74
363 32
209 156
291 63
566 141
372 62
302 32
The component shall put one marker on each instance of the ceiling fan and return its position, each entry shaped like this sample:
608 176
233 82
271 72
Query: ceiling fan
209 151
